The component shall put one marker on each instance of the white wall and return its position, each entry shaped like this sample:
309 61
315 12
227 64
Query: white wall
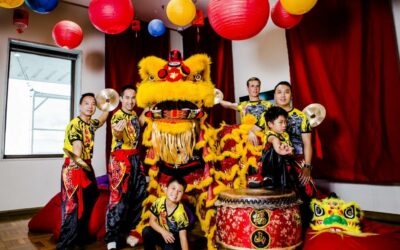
266 57
27 183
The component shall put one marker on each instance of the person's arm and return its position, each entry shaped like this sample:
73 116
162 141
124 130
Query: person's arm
103 118
252 137
143 116
278 147
229 105
305 174
77 148
167 236
183 240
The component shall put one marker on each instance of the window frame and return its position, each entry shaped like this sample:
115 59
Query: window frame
43 50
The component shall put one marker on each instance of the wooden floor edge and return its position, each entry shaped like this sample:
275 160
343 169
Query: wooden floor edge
20 213
383 217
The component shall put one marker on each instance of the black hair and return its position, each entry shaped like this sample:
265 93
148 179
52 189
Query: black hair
84 95
179 180
285 83
274 112
253 79
125 87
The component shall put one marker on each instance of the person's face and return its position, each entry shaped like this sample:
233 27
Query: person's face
282 95
253 88
88 106
175 192
279 125
128 100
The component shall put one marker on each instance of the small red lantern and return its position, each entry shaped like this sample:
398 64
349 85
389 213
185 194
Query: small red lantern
67 34
238 19
282 18
21 19
111 16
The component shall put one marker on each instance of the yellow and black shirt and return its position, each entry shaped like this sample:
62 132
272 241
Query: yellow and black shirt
297 124
78 130
174 222
131 133
255 108
283 137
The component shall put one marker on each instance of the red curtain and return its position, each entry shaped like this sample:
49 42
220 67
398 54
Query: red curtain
122 55
205 40
344 55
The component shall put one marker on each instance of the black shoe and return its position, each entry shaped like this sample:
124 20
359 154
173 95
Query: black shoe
268 183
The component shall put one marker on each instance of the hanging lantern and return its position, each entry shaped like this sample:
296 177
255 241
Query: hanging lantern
42 6
10 4
282 19
135 26
21 19
111 16
67 34
156 28
181 12
238 19
297 7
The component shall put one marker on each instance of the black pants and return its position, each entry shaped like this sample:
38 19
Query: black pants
74 230
151 239
124 210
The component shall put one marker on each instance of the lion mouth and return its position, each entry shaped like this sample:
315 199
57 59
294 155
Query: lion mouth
175 110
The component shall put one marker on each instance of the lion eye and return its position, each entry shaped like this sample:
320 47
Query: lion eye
151 78
349 212
197 77
318 210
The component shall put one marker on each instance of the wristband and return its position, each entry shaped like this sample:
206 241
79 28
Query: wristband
307 165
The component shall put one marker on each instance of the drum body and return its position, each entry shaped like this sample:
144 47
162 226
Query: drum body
258 219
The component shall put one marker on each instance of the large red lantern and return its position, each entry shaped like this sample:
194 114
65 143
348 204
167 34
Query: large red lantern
282 18
67 34
111 16
238 19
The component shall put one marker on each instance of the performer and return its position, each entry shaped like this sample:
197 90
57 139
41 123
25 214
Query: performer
127 182
254 106
168 221
275 162
299 131
78 186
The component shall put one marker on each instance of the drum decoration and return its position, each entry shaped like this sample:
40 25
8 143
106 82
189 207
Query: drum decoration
258 218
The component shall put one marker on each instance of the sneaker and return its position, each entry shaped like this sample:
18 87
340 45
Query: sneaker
132 240
254 182
268 182
112 245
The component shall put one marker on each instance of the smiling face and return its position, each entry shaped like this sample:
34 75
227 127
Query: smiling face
174 192
254 89
278 125
283 95
128 100
88 106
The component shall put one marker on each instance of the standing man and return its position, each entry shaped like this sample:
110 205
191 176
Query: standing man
78 185
254 106
127 182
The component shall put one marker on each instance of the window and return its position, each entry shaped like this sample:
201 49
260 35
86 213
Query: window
40 93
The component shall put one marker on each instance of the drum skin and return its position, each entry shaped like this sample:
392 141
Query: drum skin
258 219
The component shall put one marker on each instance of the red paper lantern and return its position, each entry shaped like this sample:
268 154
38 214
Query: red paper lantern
238 19
282 18
21 19
111 16
67 34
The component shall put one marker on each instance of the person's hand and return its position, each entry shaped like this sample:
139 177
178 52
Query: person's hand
305 176
286 149
119 126
168 236
252 138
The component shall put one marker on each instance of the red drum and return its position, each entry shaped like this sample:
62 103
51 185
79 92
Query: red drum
258 218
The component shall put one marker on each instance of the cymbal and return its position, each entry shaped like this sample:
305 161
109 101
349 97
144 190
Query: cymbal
77 159
107 99
315 113
219 96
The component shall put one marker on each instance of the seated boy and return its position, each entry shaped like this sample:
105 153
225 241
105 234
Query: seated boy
168 221
278 147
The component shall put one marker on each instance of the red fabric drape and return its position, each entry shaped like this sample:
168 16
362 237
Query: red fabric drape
344 55
123 53
205 40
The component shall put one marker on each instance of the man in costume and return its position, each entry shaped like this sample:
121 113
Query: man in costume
127 183
78 185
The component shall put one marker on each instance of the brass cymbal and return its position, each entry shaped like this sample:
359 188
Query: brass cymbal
315 113
77 159
218 96
107 99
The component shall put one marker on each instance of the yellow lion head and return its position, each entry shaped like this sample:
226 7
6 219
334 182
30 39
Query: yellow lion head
336 215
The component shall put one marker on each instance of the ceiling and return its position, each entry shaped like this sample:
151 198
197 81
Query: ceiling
147 10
